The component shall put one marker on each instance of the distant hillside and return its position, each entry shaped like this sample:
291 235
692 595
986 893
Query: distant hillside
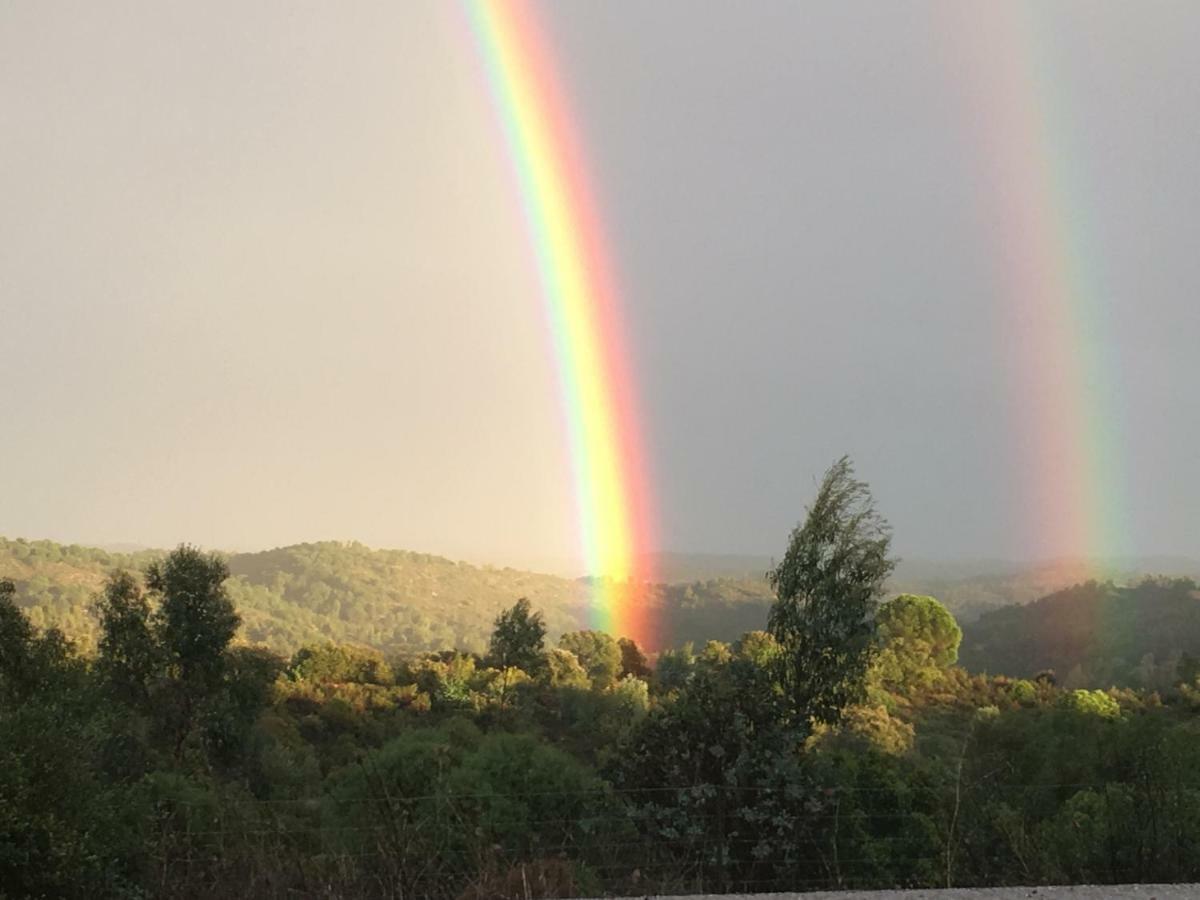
402 602
683 568
393 600
1092 634
971 588
968 588
56 582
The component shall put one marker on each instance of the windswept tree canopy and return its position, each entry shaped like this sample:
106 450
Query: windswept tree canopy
827 588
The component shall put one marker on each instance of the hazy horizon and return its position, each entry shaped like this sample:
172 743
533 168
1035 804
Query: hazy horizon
264 277
702 565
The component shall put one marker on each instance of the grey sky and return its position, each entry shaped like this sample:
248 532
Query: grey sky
263 276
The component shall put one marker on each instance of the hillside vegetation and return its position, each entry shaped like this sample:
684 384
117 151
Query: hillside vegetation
400 602
394 601
842 747
1093 634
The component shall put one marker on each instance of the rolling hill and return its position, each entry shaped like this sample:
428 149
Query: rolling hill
1092 635
394 600
402 602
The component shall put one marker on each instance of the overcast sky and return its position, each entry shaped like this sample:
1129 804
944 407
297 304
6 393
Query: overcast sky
263 275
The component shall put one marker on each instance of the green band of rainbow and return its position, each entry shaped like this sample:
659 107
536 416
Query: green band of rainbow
581 306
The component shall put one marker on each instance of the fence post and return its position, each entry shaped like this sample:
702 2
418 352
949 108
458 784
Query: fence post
722 858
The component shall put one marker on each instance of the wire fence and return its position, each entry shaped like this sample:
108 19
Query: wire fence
701 838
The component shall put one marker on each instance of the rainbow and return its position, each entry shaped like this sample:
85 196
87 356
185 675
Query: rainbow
581 306
1064 365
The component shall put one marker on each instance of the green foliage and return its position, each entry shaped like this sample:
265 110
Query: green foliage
563 670
63 825
447 680
1092 703
918 641
633 660
62 832
446 775
518 637
866 728
1098 634
828 585
674 668
760 648
130 655
393 601
403 603
526 795
195 620
164 655
1023 692
525 799
714 754
247 687
16 636
338 662
598 653
633 695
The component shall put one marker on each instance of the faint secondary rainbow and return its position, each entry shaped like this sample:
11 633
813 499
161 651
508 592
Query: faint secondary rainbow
1064 360
581 306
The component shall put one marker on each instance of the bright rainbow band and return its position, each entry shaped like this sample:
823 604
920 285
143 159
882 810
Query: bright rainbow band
582 308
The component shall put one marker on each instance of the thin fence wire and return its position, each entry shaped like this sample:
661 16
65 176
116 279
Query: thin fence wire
611 840
695 789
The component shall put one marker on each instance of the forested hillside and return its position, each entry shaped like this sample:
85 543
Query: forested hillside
971 588
968 588
1093 634
401 602
842 747
391 600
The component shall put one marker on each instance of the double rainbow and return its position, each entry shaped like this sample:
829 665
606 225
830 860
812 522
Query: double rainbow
581 307
1063 370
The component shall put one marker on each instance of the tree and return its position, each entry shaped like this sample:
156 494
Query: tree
827 588
129 655
32 662
331 662
633 660
1091 703
675 668
597 652
918 640
195 620
758 647
712 760
16 636
518 638
561 669
194 624
229 716
448 681
61 827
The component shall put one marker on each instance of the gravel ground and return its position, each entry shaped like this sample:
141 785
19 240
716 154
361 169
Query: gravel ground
1072 892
